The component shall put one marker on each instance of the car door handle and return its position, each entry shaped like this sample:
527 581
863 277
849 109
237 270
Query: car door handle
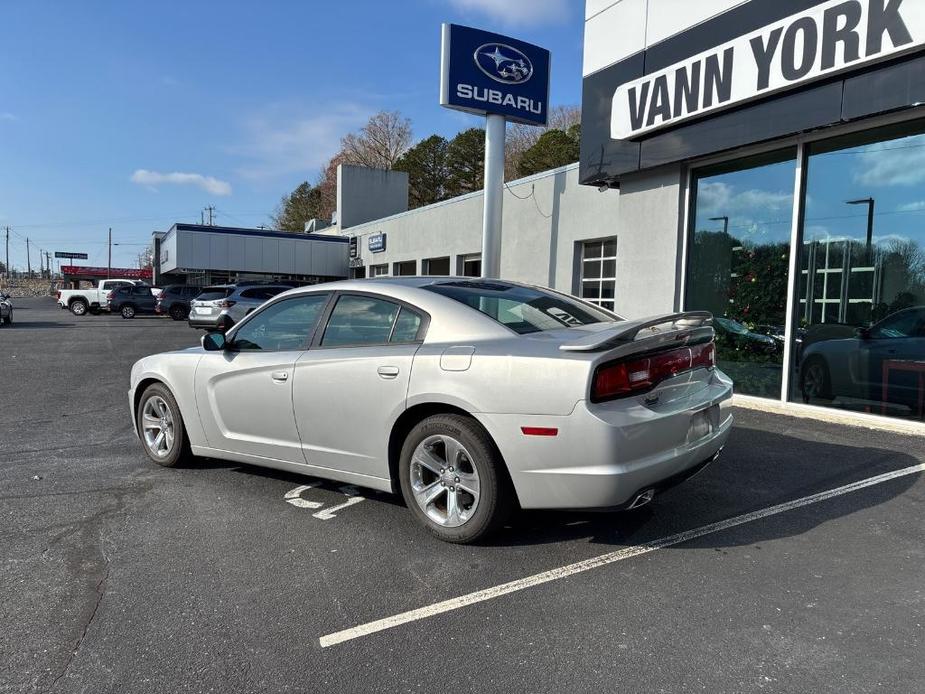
387 371
280 376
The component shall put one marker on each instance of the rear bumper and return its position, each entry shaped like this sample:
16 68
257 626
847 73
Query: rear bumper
209 323
603 456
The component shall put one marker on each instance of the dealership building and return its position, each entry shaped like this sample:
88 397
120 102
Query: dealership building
762 159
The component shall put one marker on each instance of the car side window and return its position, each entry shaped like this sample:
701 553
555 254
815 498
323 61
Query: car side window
407 327
360 320
284 326
906 324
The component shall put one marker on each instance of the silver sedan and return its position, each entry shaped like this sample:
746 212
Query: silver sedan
470 397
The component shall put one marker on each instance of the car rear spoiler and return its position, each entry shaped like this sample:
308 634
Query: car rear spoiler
627 331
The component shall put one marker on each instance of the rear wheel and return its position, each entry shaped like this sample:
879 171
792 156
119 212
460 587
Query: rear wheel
78 307
128 311
177 312
161 427
453 480
816 382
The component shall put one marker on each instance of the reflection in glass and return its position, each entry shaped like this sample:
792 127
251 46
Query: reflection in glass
860 338
737 266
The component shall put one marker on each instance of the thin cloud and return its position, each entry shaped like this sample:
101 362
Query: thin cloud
716 197
916 206
513 13
6 115
153 179
278 144
899 163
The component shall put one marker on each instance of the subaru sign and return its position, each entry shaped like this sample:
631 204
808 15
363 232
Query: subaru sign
376 242
485 73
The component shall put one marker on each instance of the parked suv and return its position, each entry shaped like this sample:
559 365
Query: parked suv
130 301
174 301
221 306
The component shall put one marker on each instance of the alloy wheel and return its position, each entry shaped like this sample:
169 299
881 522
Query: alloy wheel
444 480
157 426
814 380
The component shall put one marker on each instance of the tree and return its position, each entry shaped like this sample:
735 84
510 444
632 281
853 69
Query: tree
465 158
521 137
380 143
146 257
553 148
295 209
428 171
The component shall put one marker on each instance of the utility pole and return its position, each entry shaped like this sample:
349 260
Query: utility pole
41 263
211 209
28 260
48 263
8 253
109 261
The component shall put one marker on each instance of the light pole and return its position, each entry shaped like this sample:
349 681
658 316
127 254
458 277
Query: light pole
870 219
725 219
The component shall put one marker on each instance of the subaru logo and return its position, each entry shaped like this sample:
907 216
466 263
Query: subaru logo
503 63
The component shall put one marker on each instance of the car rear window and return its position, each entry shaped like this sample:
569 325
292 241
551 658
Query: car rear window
523 309
214 293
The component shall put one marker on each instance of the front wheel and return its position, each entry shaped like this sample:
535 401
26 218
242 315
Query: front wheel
128 311
79 307
161 426
453 479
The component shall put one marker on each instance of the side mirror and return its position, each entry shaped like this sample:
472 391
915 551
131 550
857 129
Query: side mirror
863 333
213 342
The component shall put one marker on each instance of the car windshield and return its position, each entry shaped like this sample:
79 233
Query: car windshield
523 309
214 293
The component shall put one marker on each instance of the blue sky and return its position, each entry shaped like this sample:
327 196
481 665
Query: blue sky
246 98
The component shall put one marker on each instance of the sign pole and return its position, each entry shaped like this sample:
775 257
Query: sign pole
495 126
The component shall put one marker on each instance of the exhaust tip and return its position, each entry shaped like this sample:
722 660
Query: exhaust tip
642 498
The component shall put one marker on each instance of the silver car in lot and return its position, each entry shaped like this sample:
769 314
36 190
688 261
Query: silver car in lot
221 306
469 397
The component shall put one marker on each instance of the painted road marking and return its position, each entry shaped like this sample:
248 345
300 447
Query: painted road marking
353 498
602 560
294 497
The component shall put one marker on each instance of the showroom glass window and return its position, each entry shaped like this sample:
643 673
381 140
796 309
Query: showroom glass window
859 342
738 263
599 272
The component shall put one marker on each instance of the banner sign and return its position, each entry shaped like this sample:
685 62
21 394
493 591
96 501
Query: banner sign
115 273
827 39
353 246
376 242
482 72
73 256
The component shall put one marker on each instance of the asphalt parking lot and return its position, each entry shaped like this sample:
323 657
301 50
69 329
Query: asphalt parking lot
119 576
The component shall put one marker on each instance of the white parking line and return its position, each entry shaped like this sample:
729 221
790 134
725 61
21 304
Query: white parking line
602 560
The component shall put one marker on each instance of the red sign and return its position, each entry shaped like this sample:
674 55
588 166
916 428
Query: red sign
115 273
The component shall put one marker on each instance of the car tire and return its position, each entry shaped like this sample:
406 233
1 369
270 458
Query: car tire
815 380
127 311
78 307
177 313
440 497
174 448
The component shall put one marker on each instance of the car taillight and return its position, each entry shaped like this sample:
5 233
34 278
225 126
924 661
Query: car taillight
58 295
109 296
633 376
226 303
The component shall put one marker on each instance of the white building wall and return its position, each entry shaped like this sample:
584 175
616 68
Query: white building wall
545 218
616 29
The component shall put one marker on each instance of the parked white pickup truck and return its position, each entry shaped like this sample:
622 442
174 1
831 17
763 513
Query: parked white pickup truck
79 301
